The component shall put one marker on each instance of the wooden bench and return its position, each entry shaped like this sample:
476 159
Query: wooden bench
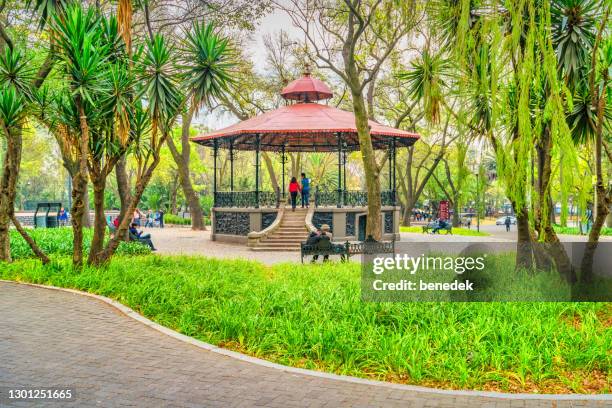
346 250
429 227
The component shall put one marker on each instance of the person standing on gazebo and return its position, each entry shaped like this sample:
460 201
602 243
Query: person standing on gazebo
294 188
305 190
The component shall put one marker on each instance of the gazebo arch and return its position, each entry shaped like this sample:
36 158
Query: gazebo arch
303 125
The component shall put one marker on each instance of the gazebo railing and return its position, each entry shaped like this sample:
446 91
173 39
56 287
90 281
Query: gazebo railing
350 198
246 199
322 198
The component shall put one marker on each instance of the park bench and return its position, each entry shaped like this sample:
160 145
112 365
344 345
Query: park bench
348 249
431 226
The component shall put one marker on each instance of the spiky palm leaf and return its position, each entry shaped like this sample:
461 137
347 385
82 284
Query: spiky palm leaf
16 71
207 63
574 26
12 109
47 9
82 52
426 81
158 83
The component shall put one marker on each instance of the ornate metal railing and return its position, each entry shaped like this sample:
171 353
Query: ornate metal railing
325 198
246 199
322 198
353 198
387 197
350 198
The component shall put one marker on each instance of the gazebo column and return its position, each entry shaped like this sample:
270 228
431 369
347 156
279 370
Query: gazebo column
339 202
215 154
394 156
344 159
390 159
231 157
283 161
257 146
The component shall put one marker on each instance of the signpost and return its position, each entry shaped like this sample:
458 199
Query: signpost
443 210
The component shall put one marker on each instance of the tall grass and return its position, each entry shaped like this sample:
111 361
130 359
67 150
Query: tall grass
58 241
311 316
575 231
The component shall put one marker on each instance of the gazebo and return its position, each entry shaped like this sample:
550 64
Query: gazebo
302 125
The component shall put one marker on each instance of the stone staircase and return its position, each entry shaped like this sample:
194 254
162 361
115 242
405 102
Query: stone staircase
290 233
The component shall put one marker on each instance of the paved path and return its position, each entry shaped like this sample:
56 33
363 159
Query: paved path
54 338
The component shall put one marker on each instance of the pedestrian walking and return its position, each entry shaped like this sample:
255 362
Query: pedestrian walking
294 189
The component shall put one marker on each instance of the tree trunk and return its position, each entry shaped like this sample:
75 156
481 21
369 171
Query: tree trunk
141 184
5 246
370 167
182 163
271 173
97 243
524 242
604 199
123 186
79 188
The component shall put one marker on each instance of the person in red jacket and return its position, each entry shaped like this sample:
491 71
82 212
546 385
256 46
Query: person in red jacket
294 188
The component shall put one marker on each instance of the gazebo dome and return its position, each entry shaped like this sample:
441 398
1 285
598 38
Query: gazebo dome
307 89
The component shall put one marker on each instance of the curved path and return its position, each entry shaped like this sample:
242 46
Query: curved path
57 338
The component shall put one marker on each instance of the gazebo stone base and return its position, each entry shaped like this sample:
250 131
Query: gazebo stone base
346 223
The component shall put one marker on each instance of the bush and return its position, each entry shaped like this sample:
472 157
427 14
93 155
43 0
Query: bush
575 231
176 220
172 219
58 241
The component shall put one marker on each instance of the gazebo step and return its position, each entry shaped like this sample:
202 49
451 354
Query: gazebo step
275 249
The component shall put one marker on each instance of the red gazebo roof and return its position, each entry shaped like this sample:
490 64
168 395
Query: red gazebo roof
304 127
306 89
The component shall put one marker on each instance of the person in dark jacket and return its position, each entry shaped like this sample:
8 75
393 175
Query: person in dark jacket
305 190
140 237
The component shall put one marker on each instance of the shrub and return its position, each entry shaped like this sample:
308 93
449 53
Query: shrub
58 241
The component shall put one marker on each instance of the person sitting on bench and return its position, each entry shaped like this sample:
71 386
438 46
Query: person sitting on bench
136 235
441 224
322 234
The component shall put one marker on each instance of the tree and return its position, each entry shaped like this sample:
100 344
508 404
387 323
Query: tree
207 70
356 32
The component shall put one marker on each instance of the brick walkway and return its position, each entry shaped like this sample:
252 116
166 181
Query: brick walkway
53 338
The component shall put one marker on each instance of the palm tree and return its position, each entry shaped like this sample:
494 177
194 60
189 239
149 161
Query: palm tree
207 64
83 54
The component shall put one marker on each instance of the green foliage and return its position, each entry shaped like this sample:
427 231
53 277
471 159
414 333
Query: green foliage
15 71
576 231
207 63
12 109
156 74
176 220
574 25
58 242
313 317
426 80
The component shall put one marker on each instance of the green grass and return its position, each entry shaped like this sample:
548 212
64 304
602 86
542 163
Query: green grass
312 316
575 231
456 231
58 241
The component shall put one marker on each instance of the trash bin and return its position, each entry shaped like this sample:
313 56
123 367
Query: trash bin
46 215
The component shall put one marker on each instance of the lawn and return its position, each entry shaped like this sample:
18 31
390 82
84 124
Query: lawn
456 231
312 316
575 231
